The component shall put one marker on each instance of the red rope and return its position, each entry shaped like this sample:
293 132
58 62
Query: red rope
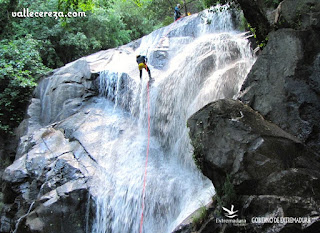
146 164
148 145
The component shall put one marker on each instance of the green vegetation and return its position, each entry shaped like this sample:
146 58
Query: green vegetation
20 68
31 46
63 40
261 43
268 3
67 5
200 216
197 151
225 196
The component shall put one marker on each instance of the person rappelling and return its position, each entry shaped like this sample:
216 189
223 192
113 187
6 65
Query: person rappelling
177 13
142 63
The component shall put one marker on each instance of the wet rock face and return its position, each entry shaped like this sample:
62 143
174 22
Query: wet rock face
265 163
283 84
56 97
117 87
61 94
303 14
45 189
269 143
65 214
258 154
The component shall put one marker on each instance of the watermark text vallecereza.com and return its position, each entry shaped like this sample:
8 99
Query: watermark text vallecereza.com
25 13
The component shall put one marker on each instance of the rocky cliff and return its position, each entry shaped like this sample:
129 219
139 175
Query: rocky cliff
80 161
261 152
50 172
266 144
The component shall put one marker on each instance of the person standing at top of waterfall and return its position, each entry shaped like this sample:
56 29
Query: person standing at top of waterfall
177 13
142 63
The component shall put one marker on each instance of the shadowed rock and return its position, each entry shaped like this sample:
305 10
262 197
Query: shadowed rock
262 160
50 181
283 84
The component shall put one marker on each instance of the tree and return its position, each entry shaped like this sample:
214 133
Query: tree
64 40
6 7
20 68
67 5
30 45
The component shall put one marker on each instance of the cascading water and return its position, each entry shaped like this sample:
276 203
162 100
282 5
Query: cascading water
203 63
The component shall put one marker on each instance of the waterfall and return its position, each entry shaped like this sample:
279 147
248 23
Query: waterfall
202 63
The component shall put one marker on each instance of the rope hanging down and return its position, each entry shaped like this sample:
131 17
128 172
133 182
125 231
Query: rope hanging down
146 164
148 144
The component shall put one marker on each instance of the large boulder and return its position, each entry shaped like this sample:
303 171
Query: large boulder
231 139
61 94
268 144
46 190
284 83
57 96
304 14
61 210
